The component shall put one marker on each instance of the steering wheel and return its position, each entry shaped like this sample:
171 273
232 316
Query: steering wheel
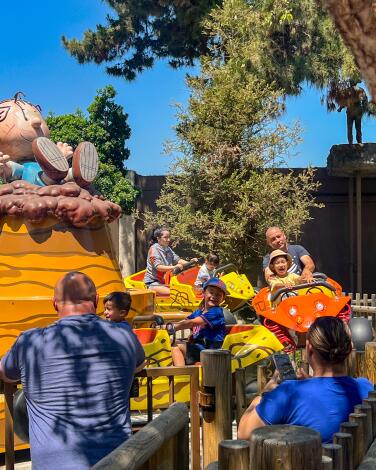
314 290
158 322
307 285
286 295
190 264
172 332
322 276
225 267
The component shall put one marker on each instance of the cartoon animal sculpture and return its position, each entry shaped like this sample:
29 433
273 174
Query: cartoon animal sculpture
27 153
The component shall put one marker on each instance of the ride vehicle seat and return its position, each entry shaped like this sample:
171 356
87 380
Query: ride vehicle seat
145 335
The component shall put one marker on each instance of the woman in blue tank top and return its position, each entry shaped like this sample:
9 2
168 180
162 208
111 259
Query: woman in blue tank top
321 402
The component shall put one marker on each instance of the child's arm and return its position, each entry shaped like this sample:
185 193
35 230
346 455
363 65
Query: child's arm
269 275
202 277
189 323
275 284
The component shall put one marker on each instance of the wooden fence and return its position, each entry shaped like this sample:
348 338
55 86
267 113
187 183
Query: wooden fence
162 444
216 400
364 306
171 372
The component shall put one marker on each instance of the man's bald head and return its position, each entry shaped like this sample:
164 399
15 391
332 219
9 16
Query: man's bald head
75 288
276 239
272 229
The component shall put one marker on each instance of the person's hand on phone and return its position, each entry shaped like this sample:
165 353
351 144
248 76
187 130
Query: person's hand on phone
273 382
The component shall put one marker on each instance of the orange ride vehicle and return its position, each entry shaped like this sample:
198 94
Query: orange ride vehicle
294 309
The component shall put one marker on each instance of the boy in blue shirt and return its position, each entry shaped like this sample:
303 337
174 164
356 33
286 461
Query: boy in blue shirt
207 324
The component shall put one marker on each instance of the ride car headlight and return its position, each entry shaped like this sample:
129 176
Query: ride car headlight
319 306
293 311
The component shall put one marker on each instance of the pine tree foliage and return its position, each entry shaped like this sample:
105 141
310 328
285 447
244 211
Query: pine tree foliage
139 31
290 42
224 188
286 42
105 125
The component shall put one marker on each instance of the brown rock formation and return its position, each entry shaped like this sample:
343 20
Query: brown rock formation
68 202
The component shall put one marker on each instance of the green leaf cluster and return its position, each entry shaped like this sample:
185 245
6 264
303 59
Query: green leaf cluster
225 187
139 31
105 125
289 42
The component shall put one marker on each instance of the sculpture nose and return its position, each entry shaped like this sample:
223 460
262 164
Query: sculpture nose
36 123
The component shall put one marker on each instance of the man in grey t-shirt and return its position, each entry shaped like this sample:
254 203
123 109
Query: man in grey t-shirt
302 263
76 375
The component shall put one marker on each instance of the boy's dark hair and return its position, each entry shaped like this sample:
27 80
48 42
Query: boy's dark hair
212 258
121 300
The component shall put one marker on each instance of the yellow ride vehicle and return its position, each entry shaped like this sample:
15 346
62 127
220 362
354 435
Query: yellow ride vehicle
248 344
183 295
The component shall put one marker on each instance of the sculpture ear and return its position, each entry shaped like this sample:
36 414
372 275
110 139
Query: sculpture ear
4 110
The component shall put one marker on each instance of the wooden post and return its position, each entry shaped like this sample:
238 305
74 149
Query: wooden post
217 420
373 304
370 360
326 463
360 366
233 455
261 377
345 440
284 446
155 443
372 394
213 466
360 441
372 403
240 397
368 431
369 461
195 422
181 448
164 457
334 451
351 428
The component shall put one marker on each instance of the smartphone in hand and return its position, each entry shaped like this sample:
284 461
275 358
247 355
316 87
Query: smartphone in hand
283 365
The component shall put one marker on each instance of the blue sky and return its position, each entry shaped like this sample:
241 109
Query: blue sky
33 61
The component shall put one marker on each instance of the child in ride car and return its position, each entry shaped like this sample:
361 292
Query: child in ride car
207 323
207 269
117 306
279 263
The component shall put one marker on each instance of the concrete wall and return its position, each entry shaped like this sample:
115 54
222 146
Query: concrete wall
326 237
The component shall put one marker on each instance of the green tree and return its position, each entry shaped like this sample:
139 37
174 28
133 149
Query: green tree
289 41
141 31
224 189
106 127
